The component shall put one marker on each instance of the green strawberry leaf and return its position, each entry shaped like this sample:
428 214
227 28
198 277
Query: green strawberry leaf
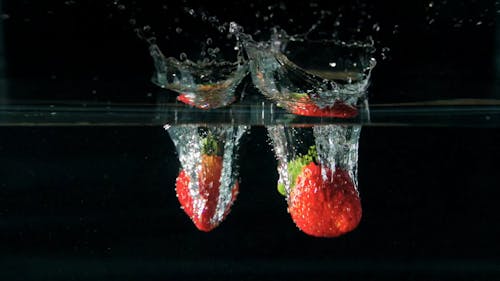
281 189
295 168
210 146
298 95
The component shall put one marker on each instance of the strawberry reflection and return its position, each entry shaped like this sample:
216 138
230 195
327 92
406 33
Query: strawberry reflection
318 175
207 184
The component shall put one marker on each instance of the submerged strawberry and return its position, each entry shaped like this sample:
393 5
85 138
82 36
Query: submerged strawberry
303 105
201 205
322 207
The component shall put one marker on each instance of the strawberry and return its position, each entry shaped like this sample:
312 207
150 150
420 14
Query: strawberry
303 105
322 207
189 100
207 96
202 208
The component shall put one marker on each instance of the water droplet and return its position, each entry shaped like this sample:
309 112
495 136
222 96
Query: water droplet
209 41
213 19
178 30
431 4
479 23
182 56
376 27
235 28
396 29
332 64
385 51
191 12
146 28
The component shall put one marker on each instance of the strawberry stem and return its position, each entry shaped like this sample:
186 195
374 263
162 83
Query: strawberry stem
210 146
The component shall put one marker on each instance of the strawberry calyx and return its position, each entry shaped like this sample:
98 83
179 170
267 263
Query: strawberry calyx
294 168
210 146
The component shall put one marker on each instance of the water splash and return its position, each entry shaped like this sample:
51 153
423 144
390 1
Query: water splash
203 84
207 156
297 73
336 148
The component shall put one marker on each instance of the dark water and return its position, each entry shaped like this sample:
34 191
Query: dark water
99 204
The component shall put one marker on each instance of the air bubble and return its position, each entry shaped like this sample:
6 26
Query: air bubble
178 30
332 64
183 56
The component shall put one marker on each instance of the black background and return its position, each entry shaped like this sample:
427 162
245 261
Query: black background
99 203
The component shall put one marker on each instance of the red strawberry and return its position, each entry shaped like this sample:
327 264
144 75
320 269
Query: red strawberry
207 96
203 208
189 100
303 105
324 208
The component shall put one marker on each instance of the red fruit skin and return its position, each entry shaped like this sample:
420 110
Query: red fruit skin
324 208
187 100
205 104
208 184
305 107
